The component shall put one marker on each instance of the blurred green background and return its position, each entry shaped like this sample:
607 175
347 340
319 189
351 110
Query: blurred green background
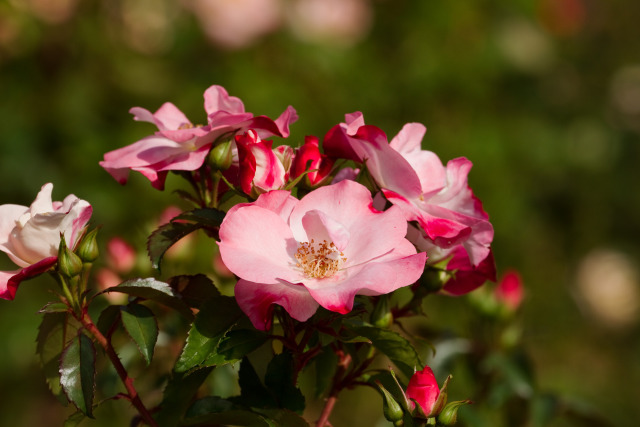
542 95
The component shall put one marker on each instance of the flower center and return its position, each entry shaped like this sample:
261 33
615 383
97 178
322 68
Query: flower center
319 260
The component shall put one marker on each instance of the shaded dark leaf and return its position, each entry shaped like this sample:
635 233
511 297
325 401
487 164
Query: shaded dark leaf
142 327
155 290
178 395
252 392
215 318
167 235
77 372
53 336
194 289
279 380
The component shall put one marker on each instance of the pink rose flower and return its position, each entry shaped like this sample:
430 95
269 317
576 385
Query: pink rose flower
423 390
438 198
321 250
30 236
180 145
308 157
261 168
510 290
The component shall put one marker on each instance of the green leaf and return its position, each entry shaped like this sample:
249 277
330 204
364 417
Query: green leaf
74 419
283 418
178 395
215 318
77 372
53 335
201 414
195 290
108 319
279 379
326 365
252 392
54 307
167 235
154 290
394 346
141 325
238 343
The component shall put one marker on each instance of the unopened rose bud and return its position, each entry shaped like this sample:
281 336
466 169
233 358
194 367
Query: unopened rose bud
221 156
87 249
69 264
449 415
391 408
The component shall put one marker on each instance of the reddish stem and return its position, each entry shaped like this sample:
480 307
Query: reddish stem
326 411
336 388
120 369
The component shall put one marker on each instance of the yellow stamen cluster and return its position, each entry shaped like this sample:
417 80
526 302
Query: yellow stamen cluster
319 260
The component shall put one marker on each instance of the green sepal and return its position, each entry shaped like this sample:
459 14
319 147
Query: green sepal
449 414
141 325
390 407
77 373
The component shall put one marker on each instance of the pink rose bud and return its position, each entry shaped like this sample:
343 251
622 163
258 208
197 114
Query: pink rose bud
423 390
510 290
122 256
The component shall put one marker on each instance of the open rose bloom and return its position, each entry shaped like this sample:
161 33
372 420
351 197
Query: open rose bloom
321 250
179 145
452 223
30 236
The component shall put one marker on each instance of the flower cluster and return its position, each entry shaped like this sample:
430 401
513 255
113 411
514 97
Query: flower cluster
333 243
319 235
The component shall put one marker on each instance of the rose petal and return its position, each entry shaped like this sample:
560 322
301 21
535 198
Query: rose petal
257 245
257 299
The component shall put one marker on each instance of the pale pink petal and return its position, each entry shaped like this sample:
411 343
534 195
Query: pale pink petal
167 117
9 280
389 169
216 98
430 170
353 122
147 151
409 138
320 227
257 245
9 215
374 278
257 299
346 202
43 202
280 202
